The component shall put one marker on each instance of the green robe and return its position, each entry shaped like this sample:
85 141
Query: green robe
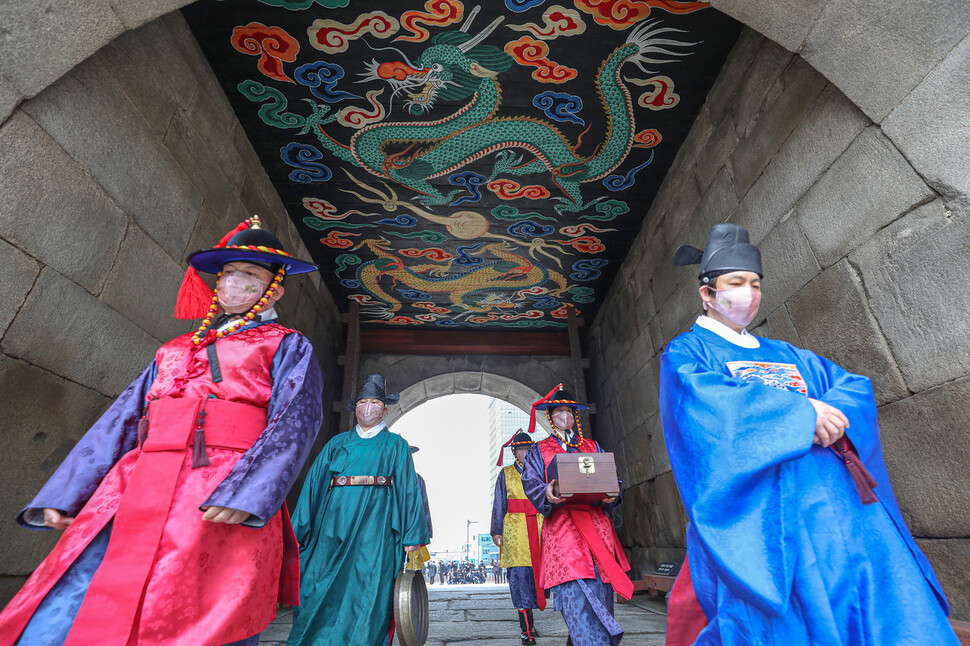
352 540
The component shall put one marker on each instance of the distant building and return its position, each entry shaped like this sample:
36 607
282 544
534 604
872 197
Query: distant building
504 420
487 550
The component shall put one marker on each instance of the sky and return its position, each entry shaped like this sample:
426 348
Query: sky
452 434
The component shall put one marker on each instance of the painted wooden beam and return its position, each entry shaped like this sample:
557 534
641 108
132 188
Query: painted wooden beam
451 342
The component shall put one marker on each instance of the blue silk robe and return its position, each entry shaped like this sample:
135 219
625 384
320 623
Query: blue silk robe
352 540
780 547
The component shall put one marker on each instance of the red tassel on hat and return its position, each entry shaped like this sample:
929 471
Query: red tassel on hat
195 296
532 413
501 451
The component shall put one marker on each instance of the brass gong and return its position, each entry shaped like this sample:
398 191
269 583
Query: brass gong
411 616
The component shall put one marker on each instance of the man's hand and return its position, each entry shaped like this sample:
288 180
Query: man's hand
411 548
551 493
830 423
54 518
497 539
608 501
224 515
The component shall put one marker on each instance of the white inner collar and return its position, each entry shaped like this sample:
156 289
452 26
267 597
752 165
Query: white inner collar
744 339
265 315
369 433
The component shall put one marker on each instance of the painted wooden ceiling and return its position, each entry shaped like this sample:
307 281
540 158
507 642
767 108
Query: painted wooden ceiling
454 165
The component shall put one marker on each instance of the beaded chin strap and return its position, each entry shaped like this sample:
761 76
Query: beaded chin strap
247 317
579 430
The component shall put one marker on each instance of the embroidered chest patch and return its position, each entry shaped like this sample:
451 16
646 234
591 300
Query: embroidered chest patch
776 375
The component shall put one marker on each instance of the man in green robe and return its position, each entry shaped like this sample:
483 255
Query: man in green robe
359 511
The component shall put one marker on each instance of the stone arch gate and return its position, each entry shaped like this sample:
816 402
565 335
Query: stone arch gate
835 133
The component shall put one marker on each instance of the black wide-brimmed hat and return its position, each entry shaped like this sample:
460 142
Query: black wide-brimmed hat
251 244
556 397
727 249
520 439
373 388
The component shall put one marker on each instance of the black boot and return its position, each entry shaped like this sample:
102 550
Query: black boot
532 624
525 624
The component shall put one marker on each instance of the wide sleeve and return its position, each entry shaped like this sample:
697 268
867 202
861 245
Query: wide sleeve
79 475
534 481
427 506
728 442
499 504
411 520
310 502
260 480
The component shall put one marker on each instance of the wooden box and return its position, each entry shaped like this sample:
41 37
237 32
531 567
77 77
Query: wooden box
585 478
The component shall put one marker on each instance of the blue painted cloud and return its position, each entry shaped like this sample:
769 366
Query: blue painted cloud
304 158
620 183
470 180
321 77
560 106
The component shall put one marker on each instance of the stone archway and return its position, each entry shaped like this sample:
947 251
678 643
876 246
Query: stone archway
462 383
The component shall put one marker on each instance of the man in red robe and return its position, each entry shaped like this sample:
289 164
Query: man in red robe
581 561
172 508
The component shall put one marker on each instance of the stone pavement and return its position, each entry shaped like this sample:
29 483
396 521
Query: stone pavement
483 615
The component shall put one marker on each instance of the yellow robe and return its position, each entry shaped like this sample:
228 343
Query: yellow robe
514 551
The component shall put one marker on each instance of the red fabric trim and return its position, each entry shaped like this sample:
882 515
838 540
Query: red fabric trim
523 506
685 617
581 517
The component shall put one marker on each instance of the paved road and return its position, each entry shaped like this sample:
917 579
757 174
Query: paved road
483 615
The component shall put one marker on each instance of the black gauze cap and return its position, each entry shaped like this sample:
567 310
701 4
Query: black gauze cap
727 249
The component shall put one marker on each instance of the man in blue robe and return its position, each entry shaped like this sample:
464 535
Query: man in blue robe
359 511
795 536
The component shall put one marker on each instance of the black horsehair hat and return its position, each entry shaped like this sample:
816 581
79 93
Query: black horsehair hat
247 242
520 439
373 388
727 249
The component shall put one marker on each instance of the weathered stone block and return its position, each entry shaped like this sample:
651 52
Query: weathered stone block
44 416
620 315
786 22
469 382
139 12
910 269
65 330
799 87
788 263
50 208
931 490
949 558
43 40
17 274
90 115
9 98
638 399
684 197
927 127
877 53
817 141
832 318
714 207
767 65
779 326
866 188
193 152
131 59
726 84
143 285
678 314
720 145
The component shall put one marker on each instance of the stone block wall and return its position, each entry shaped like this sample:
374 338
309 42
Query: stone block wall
861 208
108 178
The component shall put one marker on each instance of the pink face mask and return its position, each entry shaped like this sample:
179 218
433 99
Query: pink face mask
738 305
368 413
563 419
237 289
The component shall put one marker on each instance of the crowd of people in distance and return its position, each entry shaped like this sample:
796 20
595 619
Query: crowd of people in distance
454 572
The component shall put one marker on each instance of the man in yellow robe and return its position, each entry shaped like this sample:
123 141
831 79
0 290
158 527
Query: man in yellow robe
516 529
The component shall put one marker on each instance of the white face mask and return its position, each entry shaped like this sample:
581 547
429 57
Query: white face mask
738 305
563 419
369 413
238 289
